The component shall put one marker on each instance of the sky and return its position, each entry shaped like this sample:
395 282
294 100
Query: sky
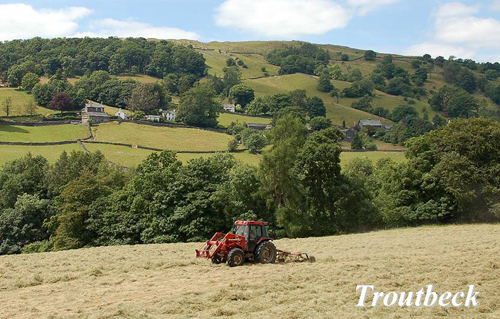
465 29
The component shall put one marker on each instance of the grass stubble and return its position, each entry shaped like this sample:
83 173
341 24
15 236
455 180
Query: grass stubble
165 280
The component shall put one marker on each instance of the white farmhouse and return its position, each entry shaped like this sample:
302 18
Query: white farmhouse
121 114
231 108
168 115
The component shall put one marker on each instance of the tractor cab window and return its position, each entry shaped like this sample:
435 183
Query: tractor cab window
265 232
239 230
255 232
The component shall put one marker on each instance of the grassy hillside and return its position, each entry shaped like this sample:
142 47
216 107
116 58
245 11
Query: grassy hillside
185 139
55 133
51 153
253 53
225 119
120 155
216 61
166 280
135 134
334 111
19 100
131 157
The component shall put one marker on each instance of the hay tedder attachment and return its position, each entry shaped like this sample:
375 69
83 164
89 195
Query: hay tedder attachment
284 256
249 240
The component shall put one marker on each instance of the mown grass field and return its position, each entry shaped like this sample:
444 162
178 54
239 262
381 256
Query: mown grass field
19 101
51 153
186 139
53 133
131 157
135 134
225 119
165 280
121 155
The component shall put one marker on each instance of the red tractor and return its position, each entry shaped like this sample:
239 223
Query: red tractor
248 240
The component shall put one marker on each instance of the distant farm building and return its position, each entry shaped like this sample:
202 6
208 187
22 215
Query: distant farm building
122 115
374 124
370 123
153 118
95 113
231 108
168 115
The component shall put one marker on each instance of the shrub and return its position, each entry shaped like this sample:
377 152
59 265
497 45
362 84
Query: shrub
370 55
232 145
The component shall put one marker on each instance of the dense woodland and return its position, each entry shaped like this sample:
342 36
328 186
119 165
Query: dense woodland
82 56
452 175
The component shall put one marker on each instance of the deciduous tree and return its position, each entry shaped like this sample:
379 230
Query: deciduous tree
199 107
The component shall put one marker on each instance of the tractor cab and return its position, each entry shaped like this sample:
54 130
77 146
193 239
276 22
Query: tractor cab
248 240
254 233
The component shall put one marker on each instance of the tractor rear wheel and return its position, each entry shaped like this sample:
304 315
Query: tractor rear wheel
266 253
236 257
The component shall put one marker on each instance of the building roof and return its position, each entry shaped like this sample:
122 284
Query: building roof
92 104
168 111
370 122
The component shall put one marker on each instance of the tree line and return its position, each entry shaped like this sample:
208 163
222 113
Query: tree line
299 187
298 59
82 56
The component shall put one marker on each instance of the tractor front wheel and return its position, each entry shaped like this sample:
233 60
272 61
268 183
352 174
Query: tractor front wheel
236 257
266 253
216 260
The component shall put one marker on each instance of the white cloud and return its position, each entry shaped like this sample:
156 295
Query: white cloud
292 18
495 5
458 31
22 21
471 31
120 28
455 9
439 49
365 6
282 18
